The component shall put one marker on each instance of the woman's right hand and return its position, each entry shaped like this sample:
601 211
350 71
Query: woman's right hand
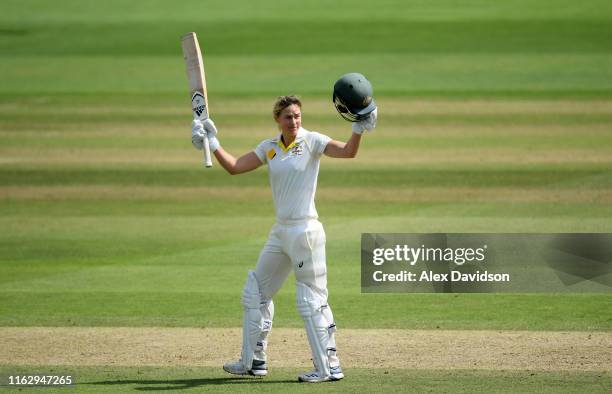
197 134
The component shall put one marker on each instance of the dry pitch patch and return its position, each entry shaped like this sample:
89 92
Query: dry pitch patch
392 348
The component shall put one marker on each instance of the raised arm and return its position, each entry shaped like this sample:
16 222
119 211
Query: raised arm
349 149
343 150
244 163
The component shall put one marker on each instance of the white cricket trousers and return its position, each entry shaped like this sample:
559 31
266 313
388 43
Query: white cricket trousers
296 246
300 247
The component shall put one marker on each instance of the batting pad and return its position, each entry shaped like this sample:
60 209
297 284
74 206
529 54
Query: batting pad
252 321
310 307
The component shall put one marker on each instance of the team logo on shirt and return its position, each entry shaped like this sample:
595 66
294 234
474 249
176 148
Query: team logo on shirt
297 149
271 154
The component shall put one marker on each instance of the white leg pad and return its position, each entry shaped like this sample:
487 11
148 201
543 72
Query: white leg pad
257 322
331 330
310 307
267 314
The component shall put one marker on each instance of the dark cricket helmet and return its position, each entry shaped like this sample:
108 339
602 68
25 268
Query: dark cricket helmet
353 97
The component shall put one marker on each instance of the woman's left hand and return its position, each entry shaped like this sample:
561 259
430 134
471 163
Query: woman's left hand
368 124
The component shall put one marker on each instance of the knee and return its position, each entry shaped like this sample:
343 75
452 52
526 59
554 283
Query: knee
251 297
308 300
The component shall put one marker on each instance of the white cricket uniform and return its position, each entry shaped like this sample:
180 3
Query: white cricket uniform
297 240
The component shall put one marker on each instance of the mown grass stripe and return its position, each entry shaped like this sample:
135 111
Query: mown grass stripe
312 37
394 177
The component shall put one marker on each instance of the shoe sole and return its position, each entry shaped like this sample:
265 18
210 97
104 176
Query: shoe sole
255 372
234 372
258 373
332 378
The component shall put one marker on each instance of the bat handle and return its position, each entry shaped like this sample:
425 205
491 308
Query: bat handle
207 158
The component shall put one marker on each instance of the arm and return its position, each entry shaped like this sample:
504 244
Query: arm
343 150
351 147
244 163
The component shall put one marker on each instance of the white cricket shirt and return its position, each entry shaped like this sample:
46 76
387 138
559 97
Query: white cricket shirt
293 172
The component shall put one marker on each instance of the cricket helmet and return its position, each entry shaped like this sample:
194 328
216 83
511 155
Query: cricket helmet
353 97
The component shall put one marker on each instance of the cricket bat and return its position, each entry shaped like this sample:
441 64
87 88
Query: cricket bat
197 84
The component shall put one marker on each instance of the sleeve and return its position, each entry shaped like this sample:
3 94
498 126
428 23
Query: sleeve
318 142
260 151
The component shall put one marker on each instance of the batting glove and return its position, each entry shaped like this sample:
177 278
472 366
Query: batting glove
211 132
197 134
368 124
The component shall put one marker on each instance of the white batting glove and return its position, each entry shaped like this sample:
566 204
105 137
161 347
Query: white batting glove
197 134
368 124
211 132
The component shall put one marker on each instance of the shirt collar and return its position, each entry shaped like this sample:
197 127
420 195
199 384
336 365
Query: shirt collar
299 137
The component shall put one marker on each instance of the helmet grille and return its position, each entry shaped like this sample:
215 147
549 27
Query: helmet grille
344 111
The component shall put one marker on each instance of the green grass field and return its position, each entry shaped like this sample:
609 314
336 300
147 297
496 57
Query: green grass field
494 117
113 379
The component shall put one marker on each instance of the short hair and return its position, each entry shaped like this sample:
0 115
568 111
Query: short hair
283 102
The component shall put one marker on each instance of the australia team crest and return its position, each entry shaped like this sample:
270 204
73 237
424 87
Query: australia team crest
297 149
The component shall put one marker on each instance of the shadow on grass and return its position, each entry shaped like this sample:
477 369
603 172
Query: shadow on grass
179 384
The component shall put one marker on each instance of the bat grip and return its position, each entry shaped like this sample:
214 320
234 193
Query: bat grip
207 158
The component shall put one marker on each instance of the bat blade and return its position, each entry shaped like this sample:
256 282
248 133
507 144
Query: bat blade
194 63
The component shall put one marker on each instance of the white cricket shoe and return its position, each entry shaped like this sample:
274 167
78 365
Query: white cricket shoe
258 368
314 377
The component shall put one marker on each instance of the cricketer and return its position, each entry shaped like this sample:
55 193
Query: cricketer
297 240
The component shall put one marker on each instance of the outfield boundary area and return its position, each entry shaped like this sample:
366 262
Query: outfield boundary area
382 348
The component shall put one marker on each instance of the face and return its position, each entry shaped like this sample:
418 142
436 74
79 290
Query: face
290 119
